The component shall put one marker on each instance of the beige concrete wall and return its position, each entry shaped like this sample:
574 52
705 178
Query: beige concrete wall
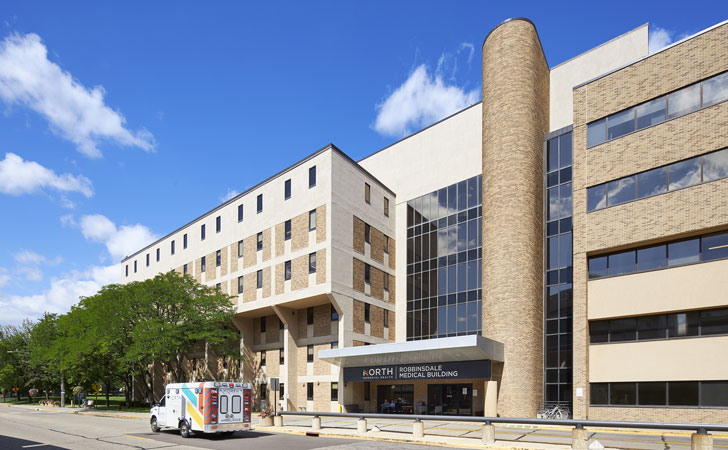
515 119
664 360
681 288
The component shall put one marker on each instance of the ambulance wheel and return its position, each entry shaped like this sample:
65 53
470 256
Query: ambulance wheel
184 430
153 423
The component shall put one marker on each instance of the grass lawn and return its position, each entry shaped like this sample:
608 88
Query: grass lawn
114 402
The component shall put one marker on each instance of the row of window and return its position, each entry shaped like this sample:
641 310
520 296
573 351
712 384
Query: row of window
705 394
367 315
259 273
309 391
368 237
445 202
684 101
368 198
445 321
708 322
704 248
466 276
690 172
446 240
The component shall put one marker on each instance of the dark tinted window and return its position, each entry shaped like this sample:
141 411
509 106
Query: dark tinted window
599 331
652 327
287 270
620 124
596 132
620 263
240 213
652 258
259 202
309 315
596 197
287 189
651 113
259 279
683 252
715 247
312 177
652 393
621 191
683 393
599 393
218 224
623 330
598 267
623 394
287 227
652 182
714 321
714 393
682 324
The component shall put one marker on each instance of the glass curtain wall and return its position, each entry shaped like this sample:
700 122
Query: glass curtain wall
558 271
444 268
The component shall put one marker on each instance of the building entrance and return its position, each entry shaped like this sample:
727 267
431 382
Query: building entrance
450 399
396 398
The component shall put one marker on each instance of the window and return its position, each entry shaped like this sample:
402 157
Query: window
312 177
223 405
281 356
127 270
367 313
309 353
335 344
262 324
218 258
281 390
287 231
652 182
386 318
240 249
202 232
312 220
714 246
218 224
367 193
334 392
386 206
184 241
651 113
287 270
708 322
684 174
309 315
147 259
334 314
240 213
683 252
259 279
386 244
184 269
287 189
260 241
715 165
171 247
367 273
620 191
309 391
623 393
240 284
684 101
386 281
237 404
367 391
715 90
596 132
596 197
202 264
218 287
259 203
683 393
280 324
367 233
620 124
263 391
312 263
621 263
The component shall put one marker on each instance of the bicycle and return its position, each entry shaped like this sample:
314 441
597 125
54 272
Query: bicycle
556 411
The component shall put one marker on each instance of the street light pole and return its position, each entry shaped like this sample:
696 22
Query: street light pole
63 392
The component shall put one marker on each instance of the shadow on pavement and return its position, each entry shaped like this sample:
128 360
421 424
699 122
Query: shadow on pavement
207 436
9 443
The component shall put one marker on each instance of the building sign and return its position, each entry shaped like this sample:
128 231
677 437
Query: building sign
423 371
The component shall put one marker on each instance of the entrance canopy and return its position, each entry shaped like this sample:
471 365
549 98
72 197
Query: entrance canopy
460 348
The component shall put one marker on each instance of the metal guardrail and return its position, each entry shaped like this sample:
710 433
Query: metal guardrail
700 428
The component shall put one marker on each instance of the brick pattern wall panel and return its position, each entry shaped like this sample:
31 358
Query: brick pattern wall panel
358 317
272 333
681 65
358 343
234 286
301 365
272 367
198 269
223 261
321 266
266 282
280 238
322 396
321 223
658 145
233 249
179 270
322 320
299 232
358 283
392 325
392 288
377 283
377 248
358 235
267 244
279 276
249 287
392 253
250 257
320 367
376 322
210 267
302 326
299 273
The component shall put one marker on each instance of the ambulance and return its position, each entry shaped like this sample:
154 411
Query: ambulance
205 407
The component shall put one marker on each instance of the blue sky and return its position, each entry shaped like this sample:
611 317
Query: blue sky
122 121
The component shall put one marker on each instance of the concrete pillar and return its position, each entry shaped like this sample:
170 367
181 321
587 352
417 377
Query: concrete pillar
361 426
700 441
418 429
515 118
579 439
278 421
491 398
316 423
488 434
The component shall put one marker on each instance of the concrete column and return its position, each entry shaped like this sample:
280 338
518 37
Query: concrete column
491 398
701 441
361 426
515 118
277 421
316 424
579 439
488 434
418 429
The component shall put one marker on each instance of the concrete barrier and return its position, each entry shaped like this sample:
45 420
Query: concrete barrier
361 426
488 434
579 439
701 441
316 423
278 421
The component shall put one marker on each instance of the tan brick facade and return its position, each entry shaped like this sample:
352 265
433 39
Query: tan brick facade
266 282
249 287
250 245
377 283
358 317
233 249
280 278
358 235
223 261
280 238
267 244
377 246
321 266
210 268
392 254
376 322
198 269
358 284
322 320
321 223
299 273
299 232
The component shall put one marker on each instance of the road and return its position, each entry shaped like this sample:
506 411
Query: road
22 428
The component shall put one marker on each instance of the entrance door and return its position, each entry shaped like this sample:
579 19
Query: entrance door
450 399
396 398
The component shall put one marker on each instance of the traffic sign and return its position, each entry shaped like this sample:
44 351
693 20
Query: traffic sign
16 389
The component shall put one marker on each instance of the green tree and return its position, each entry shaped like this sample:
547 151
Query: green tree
44 365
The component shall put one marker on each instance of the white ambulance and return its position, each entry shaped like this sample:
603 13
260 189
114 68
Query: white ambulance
206 407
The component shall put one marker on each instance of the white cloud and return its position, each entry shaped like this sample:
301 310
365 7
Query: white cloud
76 113
18 177
31 273
230 194
60 296
471 50
4 277
29 257
660 38
420 101
68 220
119 241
